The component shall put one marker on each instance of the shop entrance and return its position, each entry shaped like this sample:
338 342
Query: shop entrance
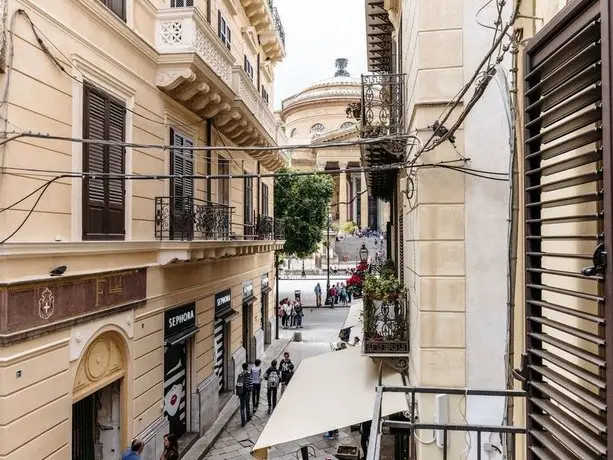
248 330
96 425
175 388
220 356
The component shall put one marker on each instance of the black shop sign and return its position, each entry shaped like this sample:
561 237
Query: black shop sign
179 320
247 290
223 301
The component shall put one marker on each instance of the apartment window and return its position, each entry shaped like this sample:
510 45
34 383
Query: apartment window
265 94
347 125
223 30
264 199
116 6
181 3
317 129
223 169
248 200
104 118
182 163
248 68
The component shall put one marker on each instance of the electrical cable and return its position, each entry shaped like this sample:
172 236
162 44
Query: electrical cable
37 33
258 148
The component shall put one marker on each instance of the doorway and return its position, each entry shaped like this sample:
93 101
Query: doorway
247 330
175 388
219 348
96 425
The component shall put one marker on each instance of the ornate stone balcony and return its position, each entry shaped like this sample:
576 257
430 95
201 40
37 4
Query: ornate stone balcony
197 70
265 18
385 328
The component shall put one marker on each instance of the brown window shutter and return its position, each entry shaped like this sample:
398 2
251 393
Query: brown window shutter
94 194
182 163
103 199
116 165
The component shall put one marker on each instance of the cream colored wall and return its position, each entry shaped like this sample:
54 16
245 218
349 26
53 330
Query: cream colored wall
36 407
124 65
434 218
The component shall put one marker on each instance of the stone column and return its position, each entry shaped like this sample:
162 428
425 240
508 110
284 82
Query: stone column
364 203
342 194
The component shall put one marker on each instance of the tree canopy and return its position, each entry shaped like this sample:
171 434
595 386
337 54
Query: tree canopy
303 202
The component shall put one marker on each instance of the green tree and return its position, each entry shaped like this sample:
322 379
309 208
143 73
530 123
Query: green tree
304 203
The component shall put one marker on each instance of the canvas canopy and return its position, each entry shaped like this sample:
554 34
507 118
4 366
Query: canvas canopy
329 391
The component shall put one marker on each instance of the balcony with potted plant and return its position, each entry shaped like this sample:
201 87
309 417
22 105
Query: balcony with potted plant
384 316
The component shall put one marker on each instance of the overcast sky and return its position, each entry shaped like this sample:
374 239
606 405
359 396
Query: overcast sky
317 32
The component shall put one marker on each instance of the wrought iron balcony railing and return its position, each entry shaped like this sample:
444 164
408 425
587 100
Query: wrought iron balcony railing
265 227
385 326
382 105
188 218
278 25
279 229
410 424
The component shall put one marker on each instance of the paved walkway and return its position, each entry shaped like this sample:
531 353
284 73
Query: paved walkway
235 442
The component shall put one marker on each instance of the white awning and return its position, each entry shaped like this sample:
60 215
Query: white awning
354 320
328 392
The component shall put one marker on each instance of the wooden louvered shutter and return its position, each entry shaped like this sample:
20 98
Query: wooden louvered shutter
103 199
116 165
94 161
182 163
567 158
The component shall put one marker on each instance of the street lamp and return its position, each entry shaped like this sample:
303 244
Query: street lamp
363 253
328 260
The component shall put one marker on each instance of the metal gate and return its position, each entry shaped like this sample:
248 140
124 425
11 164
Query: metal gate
83 426
567 222
219 352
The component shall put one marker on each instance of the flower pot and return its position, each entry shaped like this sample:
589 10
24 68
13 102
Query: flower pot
377 303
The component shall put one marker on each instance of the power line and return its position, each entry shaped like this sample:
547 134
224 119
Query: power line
326 145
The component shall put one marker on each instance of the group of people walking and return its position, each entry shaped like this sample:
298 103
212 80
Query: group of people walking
171 449
291 314
249 385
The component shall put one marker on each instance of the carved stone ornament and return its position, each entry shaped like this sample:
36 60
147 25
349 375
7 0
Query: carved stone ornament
171 79
46 304
101 364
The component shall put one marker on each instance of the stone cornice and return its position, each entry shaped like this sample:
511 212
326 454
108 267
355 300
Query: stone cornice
302 105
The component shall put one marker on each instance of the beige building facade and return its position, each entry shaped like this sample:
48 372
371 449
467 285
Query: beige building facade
127 306
319 114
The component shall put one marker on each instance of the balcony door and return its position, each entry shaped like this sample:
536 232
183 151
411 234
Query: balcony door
568 361
181 188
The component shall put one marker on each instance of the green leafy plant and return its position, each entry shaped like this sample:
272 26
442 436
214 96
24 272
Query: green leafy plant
349 227
303 202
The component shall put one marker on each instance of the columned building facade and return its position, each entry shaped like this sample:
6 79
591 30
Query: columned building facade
317 115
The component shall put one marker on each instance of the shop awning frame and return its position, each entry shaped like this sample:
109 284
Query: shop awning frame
227 314
181 336
249 300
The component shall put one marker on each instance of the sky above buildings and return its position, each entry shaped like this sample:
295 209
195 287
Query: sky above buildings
317 32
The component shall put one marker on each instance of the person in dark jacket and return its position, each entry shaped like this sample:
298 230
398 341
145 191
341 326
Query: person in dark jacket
273 378
244 386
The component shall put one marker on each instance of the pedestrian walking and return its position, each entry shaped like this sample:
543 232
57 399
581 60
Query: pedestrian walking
287 369
133 452
256 381
299 314
288 314
272 378
243 388
171 448
318 295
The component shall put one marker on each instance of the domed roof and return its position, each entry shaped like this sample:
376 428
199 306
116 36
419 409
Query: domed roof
342 85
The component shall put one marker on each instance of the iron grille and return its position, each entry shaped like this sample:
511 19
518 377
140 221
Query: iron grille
567 205
83 428
412 425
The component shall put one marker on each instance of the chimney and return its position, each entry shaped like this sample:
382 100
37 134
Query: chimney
341 66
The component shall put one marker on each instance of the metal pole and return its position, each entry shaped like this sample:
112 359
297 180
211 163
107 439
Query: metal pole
328 262
277 295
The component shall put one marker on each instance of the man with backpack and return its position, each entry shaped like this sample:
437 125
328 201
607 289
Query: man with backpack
272 377
244 386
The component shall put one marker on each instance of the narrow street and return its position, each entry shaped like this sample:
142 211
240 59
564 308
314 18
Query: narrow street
320 327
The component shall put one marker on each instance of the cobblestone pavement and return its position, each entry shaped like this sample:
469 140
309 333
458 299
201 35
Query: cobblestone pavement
236 442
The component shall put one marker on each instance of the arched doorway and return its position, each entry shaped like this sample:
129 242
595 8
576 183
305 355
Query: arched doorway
99 417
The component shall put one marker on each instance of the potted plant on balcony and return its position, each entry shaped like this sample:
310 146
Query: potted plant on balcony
374 288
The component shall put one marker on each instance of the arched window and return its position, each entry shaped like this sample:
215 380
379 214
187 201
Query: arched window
294 132
317 129
347 125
